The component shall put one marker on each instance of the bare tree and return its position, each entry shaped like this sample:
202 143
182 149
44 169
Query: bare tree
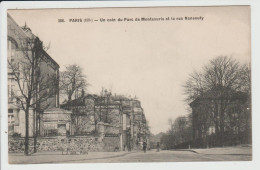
34 87
217 83
222 71
72 80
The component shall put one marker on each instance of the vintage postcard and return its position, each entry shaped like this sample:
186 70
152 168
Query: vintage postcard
136 84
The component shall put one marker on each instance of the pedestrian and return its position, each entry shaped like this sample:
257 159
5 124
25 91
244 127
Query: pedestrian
144 146
129 148
158 146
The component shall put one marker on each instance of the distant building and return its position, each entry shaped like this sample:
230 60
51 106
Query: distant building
135 130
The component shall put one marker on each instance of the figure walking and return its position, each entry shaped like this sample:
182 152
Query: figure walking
158 147
144 146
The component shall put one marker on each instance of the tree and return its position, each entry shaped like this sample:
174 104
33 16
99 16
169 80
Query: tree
181 129
167 141
34 87
221 72
72 80
179 132
218 83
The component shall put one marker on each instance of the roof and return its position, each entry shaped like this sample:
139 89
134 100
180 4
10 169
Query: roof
80 101
18 28
120 97
220 93
56 110
26 31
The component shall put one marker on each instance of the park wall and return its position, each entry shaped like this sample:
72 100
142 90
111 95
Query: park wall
109 141
60 143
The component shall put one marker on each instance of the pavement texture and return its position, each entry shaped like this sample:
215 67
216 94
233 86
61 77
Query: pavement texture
238 150
57 157
239 153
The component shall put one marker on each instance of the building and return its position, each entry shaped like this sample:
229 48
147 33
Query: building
134 125
123 119
90 112
82 117
221 117
24 48
103 122
55 122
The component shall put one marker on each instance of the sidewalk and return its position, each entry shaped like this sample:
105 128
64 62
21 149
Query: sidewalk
57 157
236 150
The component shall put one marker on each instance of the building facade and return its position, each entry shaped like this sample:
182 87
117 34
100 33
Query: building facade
24 48
123 119
106 122
221 118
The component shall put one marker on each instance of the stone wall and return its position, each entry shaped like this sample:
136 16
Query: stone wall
112 143
108 139
60 143
17 145
111 129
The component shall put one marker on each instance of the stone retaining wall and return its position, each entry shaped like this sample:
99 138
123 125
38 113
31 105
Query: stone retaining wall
108 139
112 144
60 143
17 145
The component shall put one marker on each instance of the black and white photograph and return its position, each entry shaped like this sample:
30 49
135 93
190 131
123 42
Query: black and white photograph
128 85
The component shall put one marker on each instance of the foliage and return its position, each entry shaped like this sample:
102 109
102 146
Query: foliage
217 94
180 131
72 80
222 72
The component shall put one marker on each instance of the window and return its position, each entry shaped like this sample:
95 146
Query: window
51 132
16 118
11 119
10 129
10 110
10 91
11 49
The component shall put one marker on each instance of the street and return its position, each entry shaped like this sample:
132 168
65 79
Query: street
214 154
171 156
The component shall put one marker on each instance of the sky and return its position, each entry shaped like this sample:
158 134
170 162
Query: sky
147 59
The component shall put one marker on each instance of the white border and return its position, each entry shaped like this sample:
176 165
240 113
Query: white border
255 27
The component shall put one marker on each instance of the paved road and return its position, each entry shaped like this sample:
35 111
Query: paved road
171 156
214 154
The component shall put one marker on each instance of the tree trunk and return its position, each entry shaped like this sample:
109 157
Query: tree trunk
69 98
35 134
222 128
95 119
26 142
222 119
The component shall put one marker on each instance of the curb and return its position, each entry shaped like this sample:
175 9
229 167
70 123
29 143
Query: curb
189 150
64 161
